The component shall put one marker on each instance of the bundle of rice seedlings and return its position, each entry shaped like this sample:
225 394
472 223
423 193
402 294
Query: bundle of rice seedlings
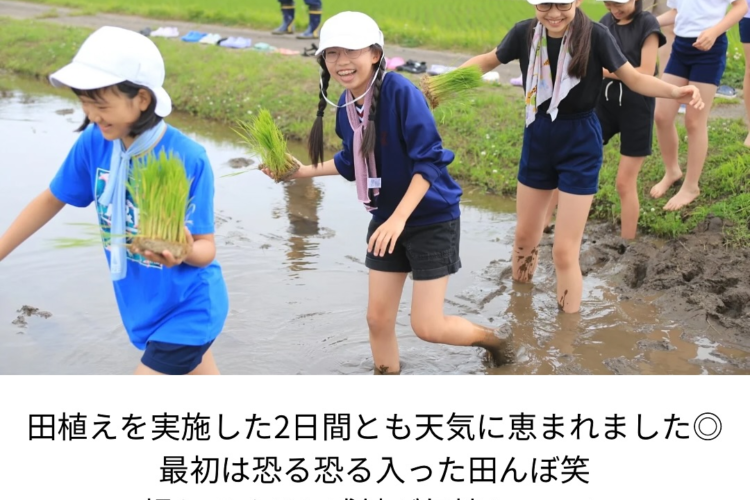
264 138
160 189
451 84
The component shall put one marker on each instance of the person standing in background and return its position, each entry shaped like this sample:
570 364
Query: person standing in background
315 8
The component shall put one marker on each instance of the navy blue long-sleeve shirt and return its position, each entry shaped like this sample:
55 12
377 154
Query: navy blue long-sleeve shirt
408 143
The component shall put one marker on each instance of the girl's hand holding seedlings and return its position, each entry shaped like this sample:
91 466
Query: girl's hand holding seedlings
167 259
296 175
388 232
706 40
689 94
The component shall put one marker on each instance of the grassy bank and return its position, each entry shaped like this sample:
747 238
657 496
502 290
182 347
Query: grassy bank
486 133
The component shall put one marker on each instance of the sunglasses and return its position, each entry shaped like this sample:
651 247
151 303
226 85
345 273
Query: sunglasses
547 6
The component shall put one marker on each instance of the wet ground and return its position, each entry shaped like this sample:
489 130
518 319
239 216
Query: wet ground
293 259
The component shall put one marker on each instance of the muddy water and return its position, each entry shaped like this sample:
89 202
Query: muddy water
293 260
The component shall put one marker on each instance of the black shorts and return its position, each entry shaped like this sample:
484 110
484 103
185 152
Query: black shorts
173 359
622 111
428 252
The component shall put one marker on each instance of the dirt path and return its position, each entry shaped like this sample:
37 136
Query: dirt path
67 16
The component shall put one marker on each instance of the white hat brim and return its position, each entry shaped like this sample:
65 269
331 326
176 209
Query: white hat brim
80 76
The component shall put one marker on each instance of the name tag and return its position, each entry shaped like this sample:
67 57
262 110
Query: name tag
373 183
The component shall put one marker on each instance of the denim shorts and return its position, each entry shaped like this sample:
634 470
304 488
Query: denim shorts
745 30
566 154
695 65
173 359
428 252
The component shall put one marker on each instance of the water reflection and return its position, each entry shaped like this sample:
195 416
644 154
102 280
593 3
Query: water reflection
303 198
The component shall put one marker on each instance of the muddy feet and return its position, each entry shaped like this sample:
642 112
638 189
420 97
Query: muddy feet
385 370
665 183
683 198
499 345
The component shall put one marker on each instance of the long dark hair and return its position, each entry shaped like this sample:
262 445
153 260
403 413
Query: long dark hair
148 118
315 144
580 43
638 9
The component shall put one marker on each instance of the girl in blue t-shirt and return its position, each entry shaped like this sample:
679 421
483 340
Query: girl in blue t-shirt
172 309
562 55
394 154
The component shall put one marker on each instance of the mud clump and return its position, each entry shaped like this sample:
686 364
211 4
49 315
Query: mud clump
701 283
240 162
27 312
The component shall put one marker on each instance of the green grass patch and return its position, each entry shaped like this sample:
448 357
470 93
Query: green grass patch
485 131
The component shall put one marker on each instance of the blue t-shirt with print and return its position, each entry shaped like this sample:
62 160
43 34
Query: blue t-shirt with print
181 305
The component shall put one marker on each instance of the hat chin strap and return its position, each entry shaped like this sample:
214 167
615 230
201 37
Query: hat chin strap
358 98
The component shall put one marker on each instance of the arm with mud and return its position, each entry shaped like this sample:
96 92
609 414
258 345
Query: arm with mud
36 214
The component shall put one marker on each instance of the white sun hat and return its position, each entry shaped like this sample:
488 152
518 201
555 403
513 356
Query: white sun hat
349 30
113 55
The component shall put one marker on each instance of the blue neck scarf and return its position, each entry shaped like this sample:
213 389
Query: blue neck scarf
115 191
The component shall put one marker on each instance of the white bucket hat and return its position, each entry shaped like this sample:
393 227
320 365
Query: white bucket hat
349 30
113 55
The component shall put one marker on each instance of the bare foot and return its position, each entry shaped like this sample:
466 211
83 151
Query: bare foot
747 141
665 183
683 198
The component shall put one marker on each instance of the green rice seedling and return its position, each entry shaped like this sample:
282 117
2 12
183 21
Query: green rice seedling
90 235
264 138
160 189
457 82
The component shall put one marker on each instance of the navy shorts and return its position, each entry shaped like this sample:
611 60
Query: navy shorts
622 111
428 252
745 30
695 65
566 154
173 359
